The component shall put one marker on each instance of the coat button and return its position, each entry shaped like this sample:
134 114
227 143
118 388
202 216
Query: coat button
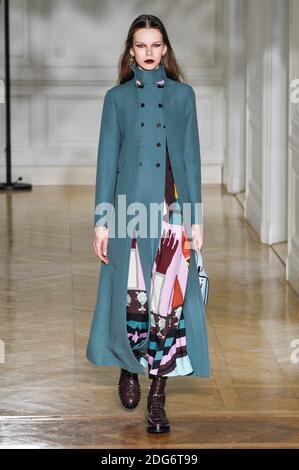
160 105
158 124
142 124
158 144
157 164
142 104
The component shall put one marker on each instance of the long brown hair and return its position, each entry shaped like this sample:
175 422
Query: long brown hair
172 68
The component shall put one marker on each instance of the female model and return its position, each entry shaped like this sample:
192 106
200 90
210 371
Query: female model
149 311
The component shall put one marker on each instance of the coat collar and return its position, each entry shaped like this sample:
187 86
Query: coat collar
141 76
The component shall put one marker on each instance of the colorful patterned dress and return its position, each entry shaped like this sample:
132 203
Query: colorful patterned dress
167 349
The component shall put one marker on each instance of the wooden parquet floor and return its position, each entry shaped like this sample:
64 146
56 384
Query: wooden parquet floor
51 396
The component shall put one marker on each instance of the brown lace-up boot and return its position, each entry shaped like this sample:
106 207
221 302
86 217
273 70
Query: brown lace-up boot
157 419
129 389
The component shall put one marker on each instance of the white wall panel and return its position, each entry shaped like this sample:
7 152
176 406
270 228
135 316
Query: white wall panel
293 166
64 56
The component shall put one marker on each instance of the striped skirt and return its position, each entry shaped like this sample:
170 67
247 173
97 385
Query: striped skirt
167 349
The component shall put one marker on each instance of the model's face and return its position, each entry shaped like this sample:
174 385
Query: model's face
148 48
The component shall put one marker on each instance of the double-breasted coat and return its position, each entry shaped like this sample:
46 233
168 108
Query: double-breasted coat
131 162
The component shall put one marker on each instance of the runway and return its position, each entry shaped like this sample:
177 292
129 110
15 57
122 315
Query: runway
51 396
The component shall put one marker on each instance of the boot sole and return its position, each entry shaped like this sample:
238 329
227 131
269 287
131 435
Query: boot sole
155 430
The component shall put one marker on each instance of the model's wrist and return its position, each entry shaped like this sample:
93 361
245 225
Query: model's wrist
100 230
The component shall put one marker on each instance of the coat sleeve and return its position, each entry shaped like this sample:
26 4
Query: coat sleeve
192 159
108 149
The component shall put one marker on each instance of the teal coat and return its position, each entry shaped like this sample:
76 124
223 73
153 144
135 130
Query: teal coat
131 163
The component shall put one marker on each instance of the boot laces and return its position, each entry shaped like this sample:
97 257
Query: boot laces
157 402
132 384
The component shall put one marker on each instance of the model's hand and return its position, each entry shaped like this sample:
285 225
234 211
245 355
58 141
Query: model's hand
197 236
100 243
